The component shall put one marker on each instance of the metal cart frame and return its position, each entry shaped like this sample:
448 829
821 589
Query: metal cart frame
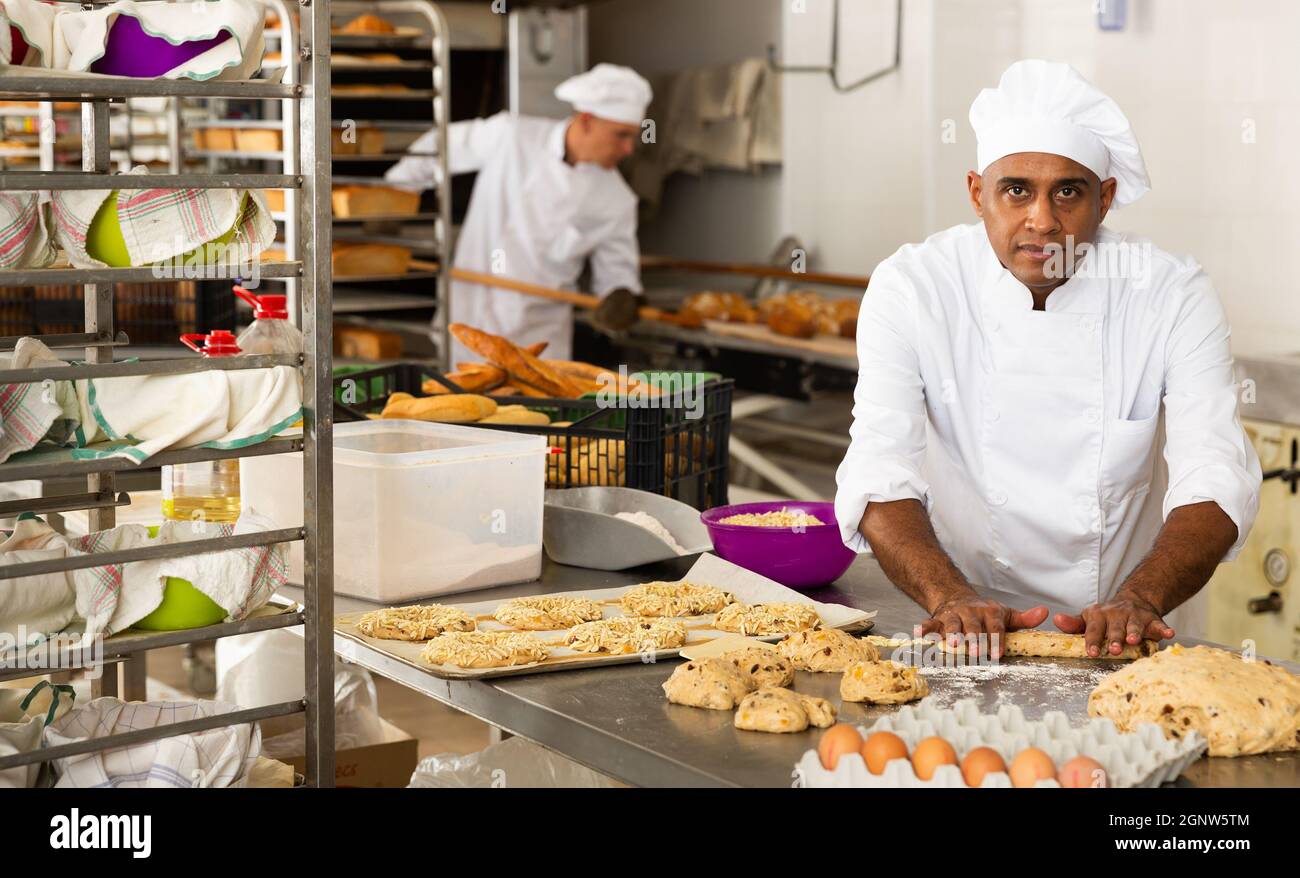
308 175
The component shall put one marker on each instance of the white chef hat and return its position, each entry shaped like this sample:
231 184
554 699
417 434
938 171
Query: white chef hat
1046 106
619 94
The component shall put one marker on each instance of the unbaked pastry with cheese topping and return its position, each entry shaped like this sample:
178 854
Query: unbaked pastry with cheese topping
419 622
484 649
546 612
625 634
776 618
674 599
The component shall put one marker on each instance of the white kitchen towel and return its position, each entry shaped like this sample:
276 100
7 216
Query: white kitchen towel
34 411
24 713
219 757
34 606
24 241
162 225
141 415
34 24
80 36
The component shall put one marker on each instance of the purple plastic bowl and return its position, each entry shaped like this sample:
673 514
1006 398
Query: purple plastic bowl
129 51
798 560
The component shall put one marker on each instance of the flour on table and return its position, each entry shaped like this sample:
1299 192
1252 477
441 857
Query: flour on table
652 524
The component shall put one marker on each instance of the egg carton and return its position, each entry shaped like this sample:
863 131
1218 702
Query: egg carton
1142 758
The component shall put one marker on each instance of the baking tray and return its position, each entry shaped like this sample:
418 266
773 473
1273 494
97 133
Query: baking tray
748 588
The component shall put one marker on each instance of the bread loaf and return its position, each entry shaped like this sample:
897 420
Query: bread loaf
219 139
727 307
355 201
451 408
362 141
517 415
352 260
274 199
366 343
368 24
258 140
793 319
477 378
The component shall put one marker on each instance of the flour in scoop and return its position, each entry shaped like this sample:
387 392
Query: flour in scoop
652 524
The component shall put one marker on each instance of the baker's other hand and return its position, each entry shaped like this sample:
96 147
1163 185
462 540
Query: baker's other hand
969 615
1126 618
618 310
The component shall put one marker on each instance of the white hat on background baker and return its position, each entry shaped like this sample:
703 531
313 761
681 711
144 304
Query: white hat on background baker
619 94
1046 106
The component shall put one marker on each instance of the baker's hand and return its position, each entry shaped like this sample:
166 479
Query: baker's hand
1125 619
973 615
618 310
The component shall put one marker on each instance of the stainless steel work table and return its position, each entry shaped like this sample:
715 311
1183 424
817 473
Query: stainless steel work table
617 721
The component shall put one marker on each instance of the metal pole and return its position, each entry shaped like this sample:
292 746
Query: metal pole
314 222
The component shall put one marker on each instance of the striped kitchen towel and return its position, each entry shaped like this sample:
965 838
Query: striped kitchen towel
163 227
35 411
26 33
220 757
24 241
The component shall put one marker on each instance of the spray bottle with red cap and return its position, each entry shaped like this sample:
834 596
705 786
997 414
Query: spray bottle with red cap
270 332
208 490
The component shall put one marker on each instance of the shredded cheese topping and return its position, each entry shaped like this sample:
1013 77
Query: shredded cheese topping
546 612
419 622
766 618
484 649
626 635
674 599
784 517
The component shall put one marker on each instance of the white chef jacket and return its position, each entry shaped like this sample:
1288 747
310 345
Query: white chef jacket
534 218
1031 436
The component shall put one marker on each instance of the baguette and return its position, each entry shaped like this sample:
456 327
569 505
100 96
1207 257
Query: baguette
469 380
451 408
517 415
504 390
523 367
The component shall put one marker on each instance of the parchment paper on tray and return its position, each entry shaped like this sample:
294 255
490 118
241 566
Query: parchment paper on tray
748 587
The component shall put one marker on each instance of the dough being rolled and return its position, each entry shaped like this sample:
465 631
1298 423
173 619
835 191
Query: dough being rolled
1241 707
1055 644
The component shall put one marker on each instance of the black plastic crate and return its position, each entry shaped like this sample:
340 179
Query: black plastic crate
677 447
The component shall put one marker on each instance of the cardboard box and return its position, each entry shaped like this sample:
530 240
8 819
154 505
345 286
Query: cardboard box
387 765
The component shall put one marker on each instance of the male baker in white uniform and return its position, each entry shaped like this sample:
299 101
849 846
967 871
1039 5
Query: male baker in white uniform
1041 391
547 197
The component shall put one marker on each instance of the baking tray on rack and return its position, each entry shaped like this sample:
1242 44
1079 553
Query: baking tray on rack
748 587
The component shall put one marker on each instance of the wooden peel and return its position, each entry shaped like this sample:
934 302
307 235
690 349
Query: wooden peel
569 297
706 267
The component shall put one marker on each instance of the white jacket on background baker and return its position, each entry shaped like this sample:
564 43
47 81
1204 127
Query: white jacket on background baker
1012 407
548 197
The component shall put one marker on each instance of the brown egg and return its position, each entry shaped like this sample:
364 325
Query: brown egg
880 748
930 754
1083 772
978 763
1030 766
838 740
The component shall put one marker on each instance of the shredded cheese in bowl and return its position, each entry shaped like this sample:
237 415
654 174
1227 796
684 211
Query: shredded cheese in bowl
784 517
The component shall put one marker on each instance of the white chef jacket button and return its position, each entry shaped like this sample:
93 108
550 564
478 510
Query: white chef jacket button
1092 416
997 498
1087 567
1001 564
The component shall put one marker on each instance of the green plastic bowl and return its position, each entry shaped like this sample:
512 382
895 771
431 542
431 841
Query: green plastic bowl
104 239
183 606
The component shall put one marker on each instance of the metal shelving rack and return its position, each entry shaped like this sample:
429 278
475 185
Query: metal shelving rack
355 297
308 98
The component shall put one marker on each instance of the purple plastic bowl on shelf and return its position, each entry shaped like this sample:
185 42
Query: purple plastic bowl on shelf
797 559
130 51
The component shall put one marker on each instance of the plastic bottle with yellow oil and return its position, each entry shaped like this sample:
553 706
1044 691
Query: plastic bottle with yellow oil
208 490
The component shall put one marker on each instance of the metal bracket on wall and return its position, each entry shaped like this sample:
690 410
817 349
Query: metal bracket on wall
832 69
1291 474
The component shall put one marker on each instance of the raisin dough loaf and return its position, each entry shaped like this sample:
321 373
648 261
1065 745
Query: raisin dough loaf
876 682
763 667
712 683
825 650
780 710
1241 707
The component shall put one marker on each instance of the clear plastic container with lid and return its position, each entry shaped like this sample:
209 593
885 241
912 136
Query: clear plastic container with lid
209 490
270 332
